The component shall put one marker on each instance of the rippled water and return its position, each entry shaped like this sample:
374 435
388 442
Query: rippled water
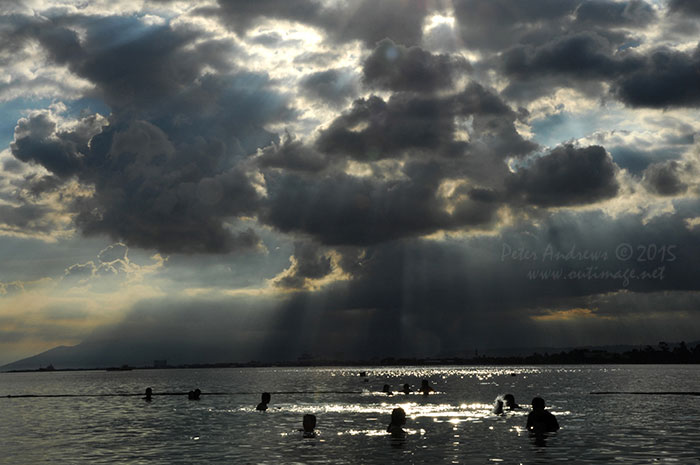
453 425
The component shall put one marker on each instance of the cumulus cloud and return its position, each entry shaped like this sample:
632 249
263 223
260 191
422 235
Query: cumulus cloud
37 140
395 67
293 155
161 178
567 176
668 78
664 179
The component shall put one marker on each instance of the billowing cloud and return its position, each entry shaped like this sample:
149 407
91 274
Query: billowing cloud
161 178
395 67
567 176
668 78
663 178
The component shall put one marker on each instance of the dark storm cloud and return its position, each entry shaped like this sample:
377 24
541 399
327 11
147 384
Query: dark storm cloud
580 60
61 152
292 155
684 6
336 208
582 45
181 205
567 176
668 78
498 24
660 78
310 263
584 55
334 86
343 209
365 20
374 129
663 178
395 67
634 13
166 169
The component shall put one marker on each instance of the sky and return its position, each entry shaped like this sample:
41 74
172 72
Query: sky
263 179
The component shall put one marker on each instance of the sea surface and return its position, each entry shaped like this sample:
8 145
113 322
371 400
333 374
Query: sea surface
452 425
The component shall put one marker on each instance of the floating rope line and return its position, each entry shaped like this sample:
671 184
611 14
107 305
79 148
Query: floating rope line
141 394
649 393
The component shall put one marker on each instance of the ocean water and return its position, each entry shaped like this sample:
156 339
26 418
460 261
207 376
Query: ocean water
453 425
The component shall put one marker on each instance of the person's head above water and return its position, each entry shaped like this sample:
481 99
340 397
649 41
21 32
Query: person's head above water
538 403
509 400
498 407
309 423
398 416
265 399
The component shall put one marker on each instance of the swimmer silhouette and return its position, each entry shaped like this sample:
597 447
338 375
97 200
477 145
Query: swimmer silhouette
387 389
509 400
194 395
309 423
425 387
265 399
398 419
406 389
498 407
149 394
363 374
540 420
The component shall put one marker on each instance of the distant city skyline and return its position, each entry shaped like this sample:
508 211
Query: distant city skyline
404 178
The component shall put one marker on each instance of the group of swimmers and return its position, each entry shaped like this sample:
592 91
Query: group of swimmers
539 420
425 388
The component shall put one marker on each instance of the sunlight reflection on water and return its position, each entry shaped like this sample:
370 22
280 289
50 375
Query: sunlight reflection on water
455 424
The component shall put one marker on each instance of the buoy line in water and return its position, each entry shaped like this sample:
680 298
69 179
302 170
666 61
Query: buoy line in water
649 393
127 394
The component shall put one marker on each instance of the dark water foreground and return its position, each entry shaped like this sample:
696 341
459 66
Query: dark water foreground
93 425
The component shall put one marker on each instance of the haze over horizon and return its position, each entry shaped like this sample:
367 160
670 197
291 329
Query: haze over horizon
406 178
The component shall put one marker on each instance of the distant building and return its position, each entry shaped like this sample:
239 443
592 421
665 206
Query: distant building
160 364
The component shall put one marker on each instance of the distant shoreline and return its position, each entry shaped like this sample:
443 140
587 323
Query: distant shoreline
678 356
